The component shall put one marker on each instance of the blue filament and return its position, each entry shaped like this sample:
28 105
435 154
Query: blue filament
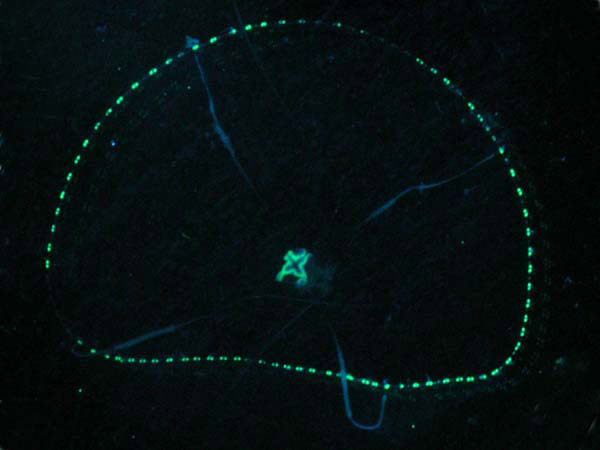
420 187
216 124
138 340
347 406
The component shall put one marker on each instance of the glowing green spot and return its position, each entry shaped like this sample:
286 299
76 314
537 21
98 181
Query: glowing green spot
263 24
85 143
328 373
525 213
196 47
501 150
108 112
69 176
295 263
248 27
415 385
512 172
213 39
233 31
520 192
281 22
152 71
134 86
62 195
49 248
446 81
120 100
97 126
57 211
471 106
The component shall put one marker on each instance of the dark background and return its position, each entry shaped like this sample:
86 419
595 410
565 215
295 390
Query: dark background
535 63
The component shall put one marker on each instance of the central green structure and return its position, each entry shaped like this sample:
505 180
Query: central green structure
295 265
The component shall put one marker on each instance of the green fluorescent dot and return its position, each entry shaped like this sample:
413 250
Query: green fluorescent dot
168 61
85 143
263 24
195 47
134 86
248 27
213 39
119 100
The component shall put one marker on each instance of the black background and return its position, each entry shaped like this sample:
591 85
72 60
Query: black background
534 63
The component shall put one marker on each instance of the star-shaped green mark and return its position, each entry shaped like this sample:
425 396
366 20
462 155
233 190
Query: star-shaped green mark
295 263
